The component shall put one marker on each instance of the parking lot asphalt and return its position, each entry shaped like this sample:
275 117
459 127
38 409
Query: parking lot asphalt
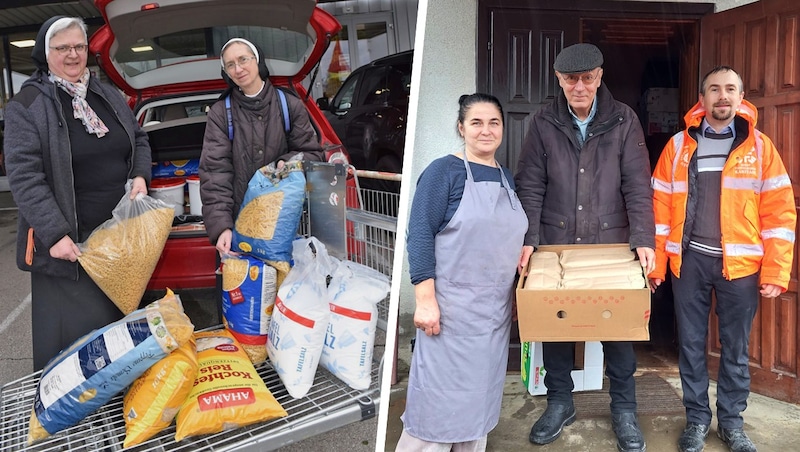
16 358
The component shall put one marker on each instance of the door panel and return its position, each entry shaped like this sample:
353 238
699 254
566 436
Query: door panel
760 41
524 44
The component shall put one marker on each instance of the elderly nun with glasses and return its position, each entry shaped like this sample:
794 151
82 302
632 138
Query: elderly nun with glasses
584 178
255 136
71 143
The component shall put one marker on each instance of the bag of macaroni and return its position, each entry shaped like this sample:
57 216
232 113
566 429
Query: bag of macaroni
228 393
268 220
91 371
248 297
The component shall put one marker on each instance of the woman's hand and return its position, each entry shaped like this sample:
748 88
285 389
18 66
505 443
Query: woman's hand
138 186
65 249
527 250
426 314
224 243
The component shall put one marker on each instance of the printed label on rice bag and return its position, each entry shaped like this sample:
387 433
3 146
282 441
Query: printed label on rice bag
226 398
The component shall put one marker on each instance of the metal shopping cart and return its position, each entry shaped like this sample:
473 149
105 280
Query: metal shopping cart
360 231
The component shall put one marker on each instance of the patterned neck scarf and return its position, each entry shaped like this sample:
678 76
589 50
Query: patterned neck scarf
82 110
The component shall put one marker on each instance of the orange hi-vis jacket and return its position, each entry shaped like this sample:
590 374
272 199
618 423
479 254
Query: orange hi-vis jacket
757 211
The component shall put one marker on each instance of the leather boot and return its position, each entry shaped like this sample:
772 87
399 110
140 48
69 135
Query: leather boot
629 435
549 426
693 438
736 439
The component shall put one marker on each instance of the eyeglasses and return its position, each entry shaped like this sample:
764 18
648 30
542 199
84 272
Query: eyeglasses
241 62
587 78
65 49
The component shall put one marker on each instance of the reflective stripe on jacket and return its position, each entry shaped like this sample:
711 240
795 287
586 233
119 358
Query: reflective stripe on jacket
757 208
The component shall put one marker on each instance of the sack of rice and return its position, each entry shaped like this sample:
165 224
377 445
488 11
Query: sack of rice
96 367
270 215
248 297
154 399
227 393
121 254
297 329
349 340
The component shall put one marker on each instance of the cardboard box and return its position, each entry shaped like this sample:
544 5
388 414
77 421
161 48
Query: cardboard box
582 314
662 122
587 374
663 99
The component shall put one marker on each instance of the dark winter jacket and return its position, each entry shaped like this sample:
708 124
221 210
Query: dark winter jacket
598 193
39 166
259 138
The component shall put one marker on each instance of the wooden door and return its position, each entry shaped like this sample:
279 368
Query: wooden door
762 42
524 44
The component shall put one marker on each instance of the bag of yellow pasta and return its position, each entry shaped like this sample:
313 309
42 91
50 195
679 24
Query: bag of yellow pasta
248 297
121 254
270 215
154 399
96 367
228 393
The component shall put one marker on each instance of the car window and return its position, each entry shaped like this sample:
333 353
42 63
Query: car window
373 87
192 45
344 99
399 84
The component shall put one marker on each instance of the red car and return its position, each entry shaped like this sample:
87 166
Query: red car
165 56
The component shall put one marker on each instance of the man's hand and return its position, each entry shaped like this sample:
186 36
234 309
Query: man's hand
654 283
770 290
426 314
647 259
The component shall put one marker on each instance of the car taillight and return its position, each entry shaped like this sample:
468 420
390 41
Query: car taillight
149 6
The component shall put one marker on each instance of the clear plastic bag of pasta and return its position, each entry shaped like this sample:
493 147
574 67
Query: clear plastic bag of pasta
121 254
270 215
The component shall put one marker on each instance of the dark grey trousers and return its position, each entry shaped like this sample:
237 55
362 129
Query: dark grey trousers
63 311
559 359
737 301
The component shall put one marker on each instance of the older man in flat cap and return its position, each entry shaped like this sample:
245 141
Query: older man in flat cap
584 177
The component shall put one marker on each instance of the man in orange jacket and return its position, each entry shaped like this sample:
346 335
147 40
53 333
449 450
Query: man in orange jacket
721 167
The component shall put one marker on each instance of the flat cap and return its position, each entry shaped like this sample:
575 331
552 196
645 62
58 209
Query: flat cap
578 58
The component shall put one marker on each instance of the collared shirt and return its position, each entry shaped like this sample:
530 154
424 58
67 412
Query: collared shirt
706 128
583 125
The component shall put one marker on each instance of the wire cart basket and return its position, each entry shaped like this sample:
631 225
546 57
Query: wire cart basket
355 225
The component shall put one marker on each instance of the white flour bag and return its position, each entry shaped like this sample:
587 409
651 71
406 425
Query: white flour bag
297 329
355 292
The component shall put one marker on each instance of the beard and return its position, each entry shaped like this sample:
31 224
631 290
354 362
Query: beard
722 116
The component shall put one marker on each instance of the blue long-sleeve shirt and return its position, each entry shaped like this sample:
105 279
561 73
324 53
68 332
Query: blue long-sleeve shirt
438 195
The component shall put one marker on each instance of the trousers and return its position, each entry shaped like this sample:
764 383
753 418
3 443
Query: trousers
737 302
559 359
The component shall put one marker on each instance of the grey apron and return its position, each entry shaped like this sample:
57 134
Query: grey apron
457 377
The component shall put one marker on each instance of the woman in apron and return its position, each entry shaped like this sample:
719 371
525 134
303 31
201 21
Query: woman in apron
465 235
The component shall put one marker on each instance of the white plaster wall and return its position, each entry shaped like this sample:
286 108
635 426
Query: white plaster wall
447 71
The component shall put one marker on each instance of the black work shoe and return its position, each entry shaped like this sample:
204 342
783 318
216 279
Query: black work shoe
736 439
693 438
549 426
629 435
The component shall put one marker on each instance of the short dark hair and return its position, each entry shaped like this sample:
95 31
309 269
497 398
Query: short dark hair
717 70
466 101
